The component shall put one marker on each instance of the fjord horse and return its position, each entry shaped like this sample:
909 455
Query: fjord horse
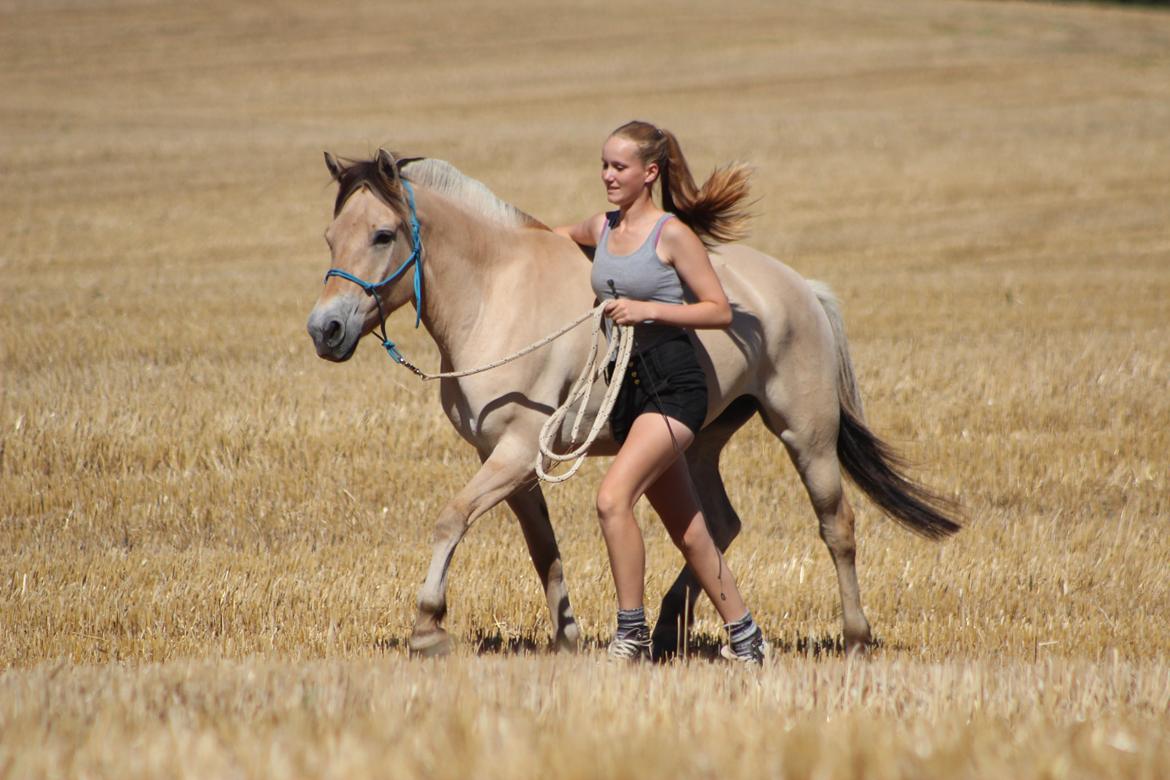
487 279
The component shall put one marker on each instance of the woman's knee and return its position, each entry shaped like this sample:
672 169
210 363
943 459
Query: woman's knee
693 538
612 504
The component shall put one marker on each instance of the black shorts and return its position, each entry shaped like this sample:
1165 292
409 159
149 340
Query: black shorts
663 379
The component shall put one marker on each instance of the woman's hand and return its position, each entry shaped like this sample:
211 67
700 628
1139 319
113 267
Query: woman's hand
624 311
586 232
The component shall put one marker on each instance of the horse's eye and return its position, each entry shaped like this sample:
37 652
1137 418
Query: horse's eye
383 237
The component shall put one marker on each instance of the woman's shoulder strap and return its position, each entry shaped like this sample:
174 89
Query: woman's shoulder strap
611 219
658 228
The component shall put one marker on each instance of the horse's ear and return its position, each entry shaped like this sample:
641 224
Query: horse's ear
333 166
387 165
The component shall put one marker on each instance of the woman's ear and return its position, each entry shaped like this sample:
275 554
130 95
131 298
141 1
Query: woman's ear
651 173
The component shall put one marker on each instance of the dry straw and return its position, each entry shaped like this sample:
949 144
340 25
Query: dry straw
211 541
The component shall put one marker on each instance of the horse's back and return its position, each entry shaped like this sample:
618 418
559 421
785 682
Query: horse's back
759 282
780 340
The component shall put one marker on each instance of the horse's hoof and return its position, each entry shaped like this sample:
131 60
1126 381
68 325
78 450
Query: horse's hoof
858 648
569 640
432 644
564 644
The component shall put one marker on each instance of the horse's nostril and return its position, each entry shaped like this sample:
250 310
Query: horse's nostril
334 332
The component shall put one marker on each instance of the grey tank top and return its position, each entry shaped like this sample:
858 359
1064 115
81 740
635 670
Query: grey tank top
639 275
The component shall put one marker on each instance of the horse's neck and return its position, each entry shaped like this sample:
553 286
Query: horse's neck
462 258
478 272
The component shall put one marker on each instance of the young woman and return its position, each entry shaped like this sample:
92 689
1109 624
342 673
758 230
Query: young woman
645 257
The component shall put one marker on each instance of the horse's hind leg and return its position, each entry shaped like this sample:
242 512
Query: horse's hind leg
678 605
814 452
532 512
836 521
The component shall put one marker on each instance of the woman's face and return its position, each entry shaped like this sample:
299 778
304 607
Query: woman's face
622 172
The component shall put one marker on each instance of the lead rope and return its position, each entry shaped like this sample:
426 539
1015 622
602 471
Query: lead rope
392 349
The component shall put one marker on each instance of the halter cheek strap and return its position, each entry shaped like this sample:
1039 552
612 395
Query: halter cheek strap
371 288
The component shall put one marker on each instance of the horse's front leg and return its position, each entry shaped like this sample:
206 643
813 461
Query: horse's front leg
497 478
532 512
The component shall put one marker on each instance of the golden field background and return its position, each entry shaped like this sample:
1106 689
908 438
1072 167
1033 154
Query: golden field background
210 540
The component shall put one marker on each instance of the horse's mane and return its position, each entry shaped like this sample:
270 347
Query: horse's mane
439 176
443 177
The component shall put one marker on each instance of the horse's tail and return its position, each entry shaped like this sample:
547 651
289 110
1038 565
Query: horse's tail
871 463
847 388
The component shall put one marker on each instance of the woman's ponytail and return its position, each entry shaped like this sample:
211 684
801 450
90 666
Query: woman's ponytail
717 211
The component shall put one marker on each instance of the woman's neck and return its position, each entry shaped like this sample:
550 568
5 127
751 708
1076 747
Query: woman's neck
641 209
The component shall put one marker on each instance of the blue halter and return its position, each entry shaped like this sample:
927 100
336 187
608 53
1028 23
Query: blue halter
371 288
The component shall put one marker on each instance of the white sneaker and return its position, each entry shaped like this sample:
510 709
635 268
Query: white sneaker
631 649
754 654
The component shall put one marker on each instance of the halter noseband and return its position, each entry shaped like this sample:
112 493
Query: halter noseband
371 288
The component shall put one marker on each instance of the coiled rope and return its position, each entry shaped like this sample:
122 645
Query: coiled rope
620 348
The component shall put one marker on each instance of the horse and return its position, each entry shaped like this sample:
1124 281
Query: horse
486 279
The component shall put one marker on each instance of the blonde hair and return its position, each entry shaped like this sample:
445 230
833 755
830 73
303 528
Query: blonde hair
717 211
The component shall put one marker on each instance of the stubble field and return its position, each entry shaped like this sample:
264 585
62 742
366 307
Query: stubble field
211 541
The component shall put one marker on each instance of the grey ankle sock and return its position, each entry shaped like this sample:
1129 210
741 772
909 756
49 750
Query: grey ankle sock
742 632
631 622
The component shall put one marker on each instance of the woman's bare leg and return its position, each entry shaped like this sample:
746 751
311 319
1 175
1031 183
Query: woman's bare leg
673 497
648 451
649 463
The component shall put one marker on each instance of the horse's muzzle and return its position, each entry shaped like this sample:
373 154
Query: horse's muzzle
334 336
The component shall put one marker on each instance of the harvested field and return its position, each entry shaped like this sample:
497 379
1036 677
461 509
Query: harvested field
211 540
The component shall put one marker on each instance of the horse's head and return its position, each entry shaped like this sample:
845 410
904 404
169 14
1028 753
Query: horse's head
374 242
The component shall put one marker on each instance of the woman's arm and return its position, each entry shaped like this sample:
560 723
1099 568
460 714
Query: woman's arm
679 246
586 233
